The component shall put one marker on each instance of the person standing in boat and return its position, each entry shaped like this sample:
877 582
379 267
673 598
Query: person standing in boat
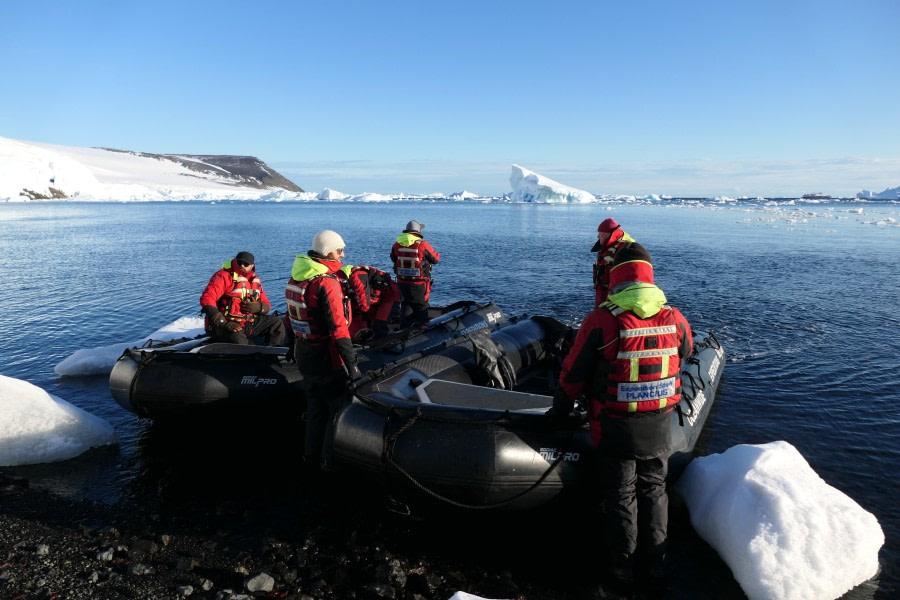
373 295
626 360
413 259
319 312
610 239
236 306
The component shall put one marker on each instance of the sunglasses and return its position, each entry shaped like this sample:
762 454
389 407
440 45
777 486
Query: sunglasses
243 263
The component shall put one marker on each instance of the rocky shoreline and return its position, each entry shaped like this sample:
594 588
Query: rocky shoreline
335 543
53 547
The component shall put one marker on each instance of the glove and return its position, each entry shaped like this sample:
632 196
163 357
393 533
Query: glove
380 280
251 307
354 372
562 406
233 326
217 319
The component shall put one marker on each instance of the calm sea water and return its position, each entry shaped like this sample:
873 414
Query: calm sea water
804 297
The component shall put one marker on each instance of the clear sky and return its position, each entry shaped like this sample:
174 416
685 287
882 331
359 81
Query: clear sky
743 97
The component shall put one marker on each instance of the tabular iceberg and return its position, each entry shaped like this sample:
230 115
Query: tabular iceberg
528 186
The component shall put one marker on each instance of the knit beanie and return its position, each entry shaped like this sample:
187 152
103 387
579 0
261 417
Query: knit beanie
245 257
327 241
631 264
607 226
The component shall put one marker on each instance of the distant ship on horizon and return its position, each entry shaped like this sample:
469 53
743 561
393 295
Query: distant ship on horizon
816 196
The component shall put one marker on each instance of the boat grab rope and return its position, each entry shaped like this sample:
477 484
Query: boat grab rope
688 396
388 459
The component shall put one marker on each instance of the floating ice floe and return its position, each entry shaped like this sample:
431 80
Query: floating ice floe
100 360
783 531
38 427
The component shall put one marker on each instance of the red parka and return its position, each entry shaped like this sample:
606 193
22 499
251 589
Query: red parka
413 258
618 239
228 287
626 360
372 294
319 310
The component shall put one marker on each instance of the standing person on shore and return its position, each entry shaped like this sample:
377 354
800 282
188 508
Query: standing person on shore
610 239
413 259
627 360
373 296
236 306
319 313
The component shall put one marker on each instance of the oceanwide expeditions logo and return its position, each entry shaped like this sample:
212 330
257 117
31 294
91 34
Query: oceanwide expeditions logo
255 381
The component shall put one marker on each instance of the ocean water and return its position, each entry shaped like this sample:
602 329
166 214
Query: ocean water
803 296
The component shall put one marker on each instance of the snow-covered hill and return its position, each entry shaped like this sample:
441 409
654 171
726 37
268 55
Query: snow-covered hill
30 170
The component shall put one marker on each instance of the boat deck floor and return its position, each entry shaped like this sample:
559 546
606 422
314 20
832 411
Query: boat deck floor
451 393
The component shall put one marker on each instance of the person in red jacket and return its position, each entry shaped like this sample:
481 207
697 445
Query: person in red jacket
236 306
373 295
319 312
626 360
610 239
413 259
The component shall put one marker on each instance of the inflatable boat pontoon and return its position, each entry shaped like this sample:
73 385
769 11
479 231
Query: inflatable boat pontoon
465 425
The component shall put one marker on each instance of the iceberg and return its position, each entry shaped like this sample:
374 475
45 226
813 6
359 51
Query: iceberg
463 195
369 197
329 194
528 186
888 194
783 531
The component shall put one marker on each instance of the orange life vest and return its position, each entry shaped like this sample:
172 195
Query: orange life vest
645 375
410 263
307 321
243 288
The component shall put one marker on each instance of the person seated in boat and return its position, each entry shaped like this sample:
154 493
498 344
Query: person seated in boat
610 239
319 312
373 295
413 259
236 306
627 360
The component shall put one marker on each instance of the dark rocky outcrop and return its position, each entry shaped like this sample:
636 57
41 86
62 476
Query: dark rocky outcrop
242 171
55 194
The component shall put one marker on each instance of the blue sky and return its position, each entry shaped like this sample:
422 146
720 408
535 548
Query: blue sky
745 97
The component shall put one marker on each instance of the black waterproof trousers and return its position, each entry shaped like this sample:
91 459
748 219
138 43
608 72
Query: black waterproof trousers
414 302
265 329
325 392
637 506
